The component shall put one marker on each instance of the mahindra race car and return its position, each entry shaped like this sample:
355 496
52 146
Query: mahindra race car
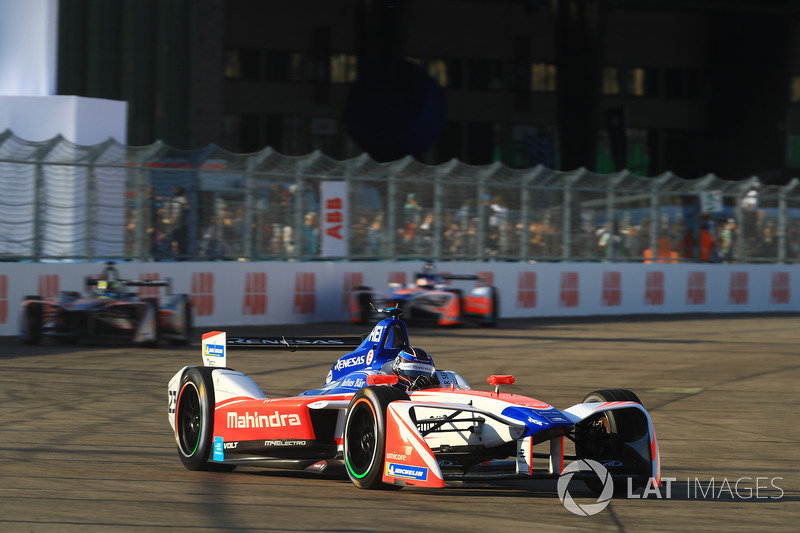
108 312
360 421
429 300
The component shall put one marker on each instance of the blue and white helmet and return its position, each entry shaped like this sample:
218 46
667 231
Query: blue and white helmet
414 369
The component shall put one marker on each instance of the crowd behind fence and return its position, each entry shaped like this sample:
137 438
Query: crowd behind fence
61 201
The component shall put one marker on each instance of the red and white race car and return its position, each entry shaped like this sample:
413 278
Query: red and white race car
430 300
426 433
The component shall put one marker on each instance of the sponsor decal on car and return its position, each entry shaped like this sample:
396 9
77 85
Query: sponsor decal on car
406 472
219 453
255 420
284 442
348 362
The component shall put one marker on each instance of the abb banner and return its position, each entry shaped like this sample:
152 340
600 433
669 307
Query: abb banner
240 293
333 226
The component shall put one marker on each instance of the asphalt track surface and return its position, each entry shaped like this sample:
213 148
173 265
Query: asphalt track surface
85 444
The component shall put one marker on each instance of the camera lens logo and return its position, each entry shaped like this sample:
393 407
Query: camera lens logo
586 509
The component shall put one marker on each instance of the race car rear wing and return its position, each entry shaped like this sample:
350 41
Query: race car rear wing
216 343
93 282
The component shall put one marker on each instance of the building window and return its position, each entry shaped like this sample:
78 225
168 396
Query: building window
641 82
437 69
635 82
344 68
795 97
242 64
610 80
241 132
543 78
680 83
485 75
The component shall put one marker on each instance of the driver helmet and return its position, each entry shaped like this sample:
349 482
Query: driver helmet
414 368
106 288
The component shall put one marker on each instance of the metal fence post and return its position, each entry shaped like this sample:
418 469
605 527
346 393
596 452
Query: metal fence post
566 223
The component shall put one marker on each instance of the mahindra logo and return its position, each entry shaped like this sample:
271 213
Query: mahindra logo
255 420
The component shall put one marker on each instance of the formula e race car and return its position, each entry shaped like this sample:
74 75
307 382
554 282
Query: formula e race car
370 420
429 300
108 312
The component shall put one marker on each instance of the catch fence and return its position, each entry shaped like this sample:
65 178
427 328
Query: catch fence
60 201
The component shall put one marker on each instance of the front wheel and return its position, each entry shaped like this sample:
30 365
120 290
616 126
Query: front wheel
618 439
365 435
194 420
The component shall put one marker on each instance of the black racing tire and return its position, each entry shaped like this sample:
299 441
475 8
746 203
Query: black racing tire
365 435
194 420
364 307
491 319
604 436
153 302
33 321
188 324
460 295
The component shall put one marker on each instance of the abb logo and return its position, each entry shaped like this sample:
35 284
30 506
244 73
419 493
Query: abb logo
351 281
526 290
48 285
334 217
654 288
3 299
255 294
780 288
696 288
738 288
397 277
203 293
569 295
612 289
304 293
149 292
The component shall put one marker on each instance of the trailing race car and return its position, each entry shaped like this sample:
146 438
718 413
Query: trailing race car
429 300
108 312
388 418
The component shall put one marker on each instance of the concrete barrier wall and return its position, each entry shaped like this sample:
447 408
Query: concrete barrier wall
239 293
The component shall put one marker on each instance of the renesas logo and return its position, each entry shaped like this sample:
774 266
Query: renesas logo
255 420
285 341
347 362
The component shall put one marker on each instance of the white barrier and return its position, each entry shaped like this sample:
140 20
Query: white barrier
239 293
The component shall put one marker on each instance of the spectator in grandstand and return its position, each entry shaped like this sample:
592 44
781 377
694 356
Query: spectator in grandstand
706 243
497 226
537 244
412 218
178 241
426 234
727 236
153 216
375 236
612 242
310 233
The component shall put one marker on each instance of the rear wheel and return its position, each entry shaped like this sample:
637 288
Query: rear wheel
459 295
33 321
365 435
194 420
186 331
